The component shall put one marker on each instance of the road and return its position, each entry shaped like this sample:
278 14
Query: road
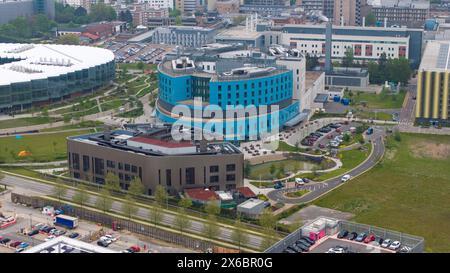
30 187
320 188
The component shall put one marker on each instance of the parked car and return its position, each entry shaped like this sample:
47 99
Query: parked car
386 243
296 248
74 235
395 245
24 245
299 182
369 238
303 241
321 146
342 234
345 178
15 244
20 249
112 238
288 250
33 232
4 241
361 237
278 185
106 240
302 246
308 240
50 237
102 243
352 236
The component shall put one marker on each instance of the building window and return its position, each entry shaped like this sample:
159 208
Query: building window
120 166
99 166
231 167
121 176
214 169
110 164
190 176
214 179
133 169
76 161
169 177
127 167
85 163
231 177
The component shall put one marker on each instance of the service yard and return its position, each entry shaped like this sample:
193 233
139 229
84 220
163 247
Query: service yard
28 217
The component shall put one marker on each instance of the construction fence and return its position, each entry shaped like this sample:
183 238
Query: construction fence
108 220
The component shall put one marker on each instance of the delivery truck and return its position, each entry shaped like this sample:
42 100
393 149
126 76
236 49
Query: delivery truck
66 221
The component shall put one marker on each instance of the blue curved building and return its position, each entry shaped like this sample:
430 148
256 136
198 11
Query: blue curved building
227 81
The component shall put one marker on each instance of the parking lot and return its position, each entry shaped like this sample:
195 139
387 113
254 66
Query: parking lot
28 219
138 52
349 246
330 135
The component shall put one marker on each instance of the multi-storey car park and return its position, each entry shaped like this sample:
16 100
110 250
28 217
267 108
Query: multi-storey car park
151 153
223 77
36 74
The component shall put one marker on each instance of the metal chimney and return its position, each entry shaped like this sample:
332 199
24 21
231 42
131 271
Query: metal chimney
328 42
364 22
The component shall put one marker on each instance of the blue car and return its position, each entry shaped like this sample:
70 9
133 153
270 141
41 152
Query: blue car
74 235
23 245
278 185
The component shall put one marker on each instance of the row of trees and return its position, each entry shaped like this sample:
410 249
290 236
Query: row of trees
181 222
393 70
65 14
27 27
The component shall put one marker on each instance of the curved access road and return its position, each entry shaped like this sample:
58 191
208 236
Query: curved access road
321 188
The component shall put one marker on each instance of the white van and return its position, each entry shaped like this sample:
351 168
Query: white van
299 182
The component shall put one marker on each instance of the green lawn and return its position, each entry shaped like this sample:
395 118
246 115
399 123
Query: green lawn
383 100
132 114
350 159
21 122
81 125
373 115
262 184
284 147
43 148
408 192
293 164
299 193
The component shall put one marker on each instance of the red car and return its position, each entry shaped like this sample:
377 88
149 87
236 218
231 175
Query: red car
338 130
330 136
135 248
321 145
369 238
15 244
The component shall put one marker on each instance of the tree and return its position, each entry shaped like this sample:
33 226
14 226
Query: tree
128 207
349 57
174 12
81 197
67 118
155 215
185 203
112 183
212 208
161 195
181 221
104 201
136 187
247 168
272 169
80 11
346 138
311 62
210 229
128 17
371 20
68 39
58 189
102 12
178 21
140 66
238 236
267 220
